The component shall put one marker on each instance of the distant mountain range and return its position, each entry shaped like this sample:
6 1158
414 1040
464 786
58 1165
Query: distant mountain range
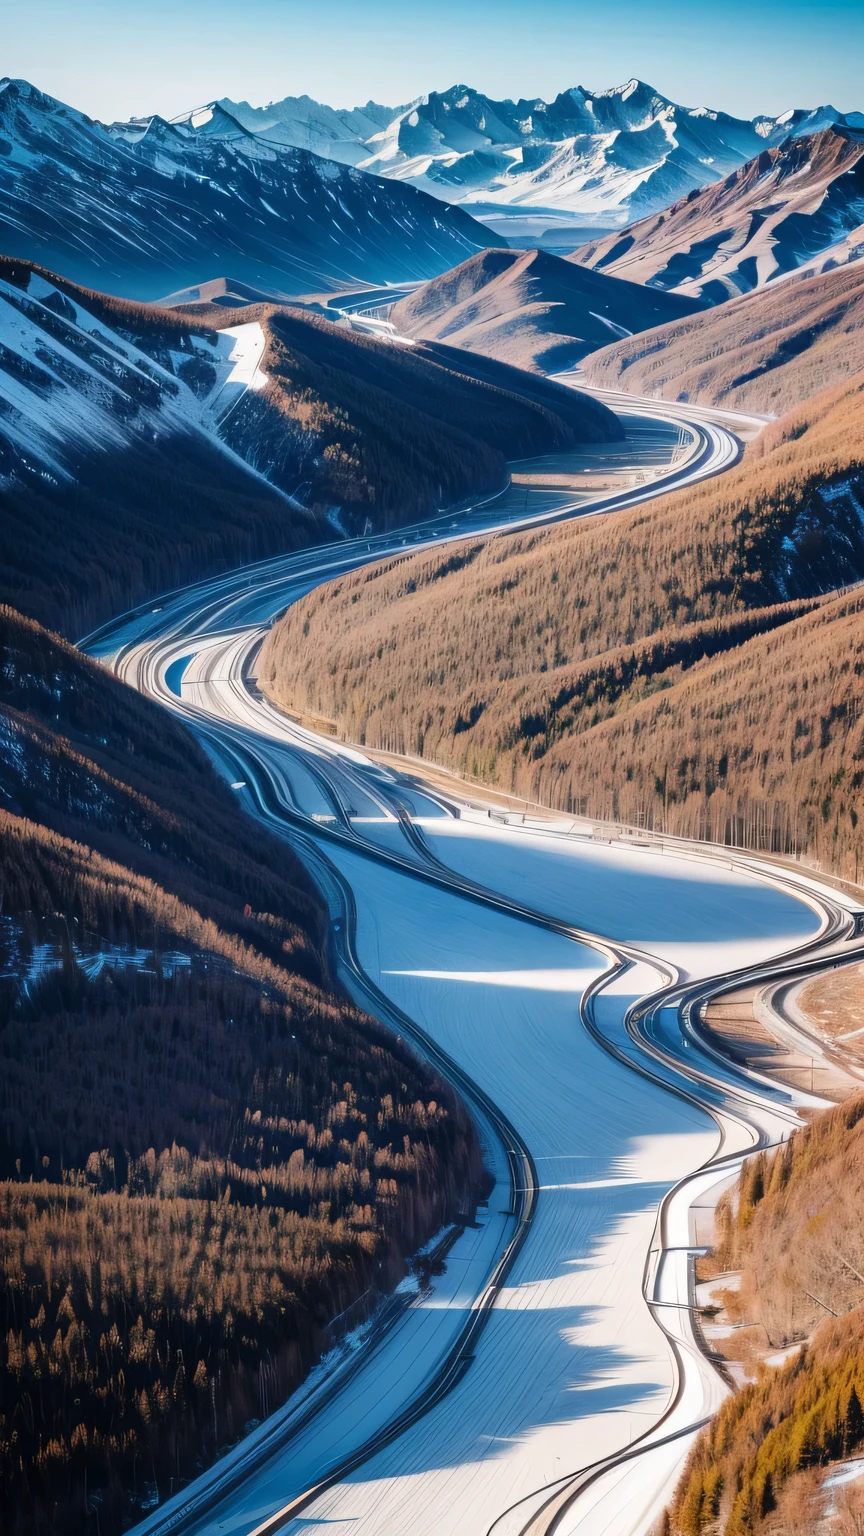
143 208
592 157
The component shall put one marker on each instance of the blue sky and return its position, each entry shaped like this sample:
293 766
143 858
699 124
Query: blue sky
113 58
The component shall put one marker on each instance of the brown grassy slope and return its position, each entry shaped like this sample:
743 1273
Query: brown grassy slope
794 1227
575 666
769 217
531 308
225 1155
345 421
766 351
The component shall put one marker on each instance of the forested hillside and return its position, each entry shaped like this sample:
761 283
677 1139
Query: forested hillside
205 1156
766 351
665 666
141 448
794 1229
388 434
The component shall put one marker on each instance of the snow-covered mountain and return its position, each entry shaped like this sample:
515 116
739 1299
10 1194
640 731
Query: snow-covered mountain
597 157
799 206
147 207
338 133
72 384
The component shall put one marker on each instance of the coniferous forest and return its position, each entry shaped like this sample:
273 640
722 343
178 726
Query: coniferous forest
209 1164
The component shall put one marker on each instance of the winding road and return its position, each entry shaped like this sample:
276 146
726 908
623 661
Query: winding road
552 1378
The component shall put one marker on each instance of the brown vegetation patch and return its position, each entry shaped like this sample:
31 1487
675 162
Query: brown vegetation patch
766 351
531 308
668 666
793 1227
205 1157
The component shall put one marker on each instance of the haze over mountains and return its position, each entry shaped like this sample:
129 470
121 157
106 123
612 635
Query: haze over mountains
597 157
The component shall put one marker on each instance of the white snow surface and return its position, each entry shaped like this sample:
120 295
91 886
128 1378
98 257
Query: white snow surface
572 1365
70 384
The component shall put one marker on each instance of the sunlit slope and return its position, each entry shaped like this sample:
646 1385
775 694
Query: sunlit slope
627 666
765 351
532 309
774 214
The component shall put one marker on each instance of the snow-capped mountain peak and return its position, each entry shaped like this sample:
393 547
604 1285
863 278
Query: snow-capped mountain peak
601 157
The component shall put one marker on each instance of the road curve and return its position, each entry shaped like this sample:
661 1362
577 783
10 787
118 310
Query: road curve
384 847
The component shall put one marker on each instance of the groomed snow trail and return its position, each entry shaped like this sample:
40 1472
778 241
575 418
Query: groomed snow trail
521 950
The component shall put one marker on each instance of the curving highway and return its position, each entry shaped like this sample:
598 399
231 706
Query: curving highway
551 1379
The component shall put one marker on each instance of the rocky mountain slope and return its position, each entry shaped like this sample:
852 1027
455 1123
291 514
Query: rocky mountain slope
146 208
114 481
532 309
666 666
778 212
595 156
387 433
765 351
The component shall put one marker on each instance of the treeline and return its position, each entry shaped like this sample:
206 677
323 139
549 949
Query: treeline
205 1157
756 1469
139 323
794 1227
680 667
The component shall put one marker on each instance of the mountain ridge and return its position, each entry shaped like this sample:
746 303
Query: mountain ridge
148 207
767 351
600 155
775 213
531 309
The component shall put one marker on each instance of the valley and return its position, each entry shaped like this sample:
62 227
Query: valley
500 886
431 839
